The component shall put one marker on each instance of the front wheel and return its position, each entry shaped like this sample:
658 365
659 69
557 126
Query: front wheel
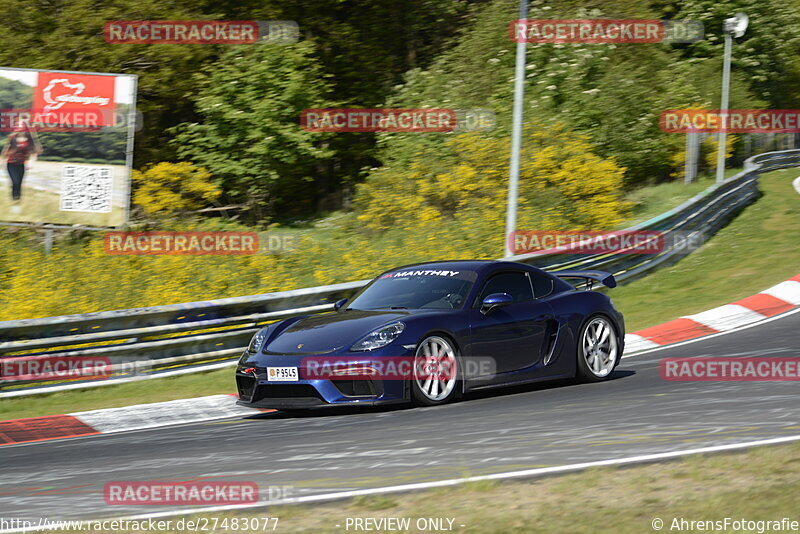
436 372
598 349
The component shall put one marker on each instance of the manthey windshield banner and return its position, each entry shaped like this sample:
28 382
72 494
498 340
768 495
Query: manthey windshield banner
67 146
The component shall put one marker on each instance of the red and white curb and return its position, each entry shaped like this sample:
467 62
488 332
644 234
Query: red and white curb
773 301
111 420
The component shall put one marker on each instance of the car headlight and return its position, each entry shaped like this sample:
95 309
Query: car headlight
379 338
257 341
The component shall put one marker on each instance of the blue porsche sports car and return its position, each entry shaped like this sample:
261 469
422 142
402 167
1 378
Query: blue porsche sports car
427 333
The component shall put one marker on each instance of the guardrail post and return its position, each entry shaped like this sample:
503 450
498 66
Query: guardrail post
692 152
48 240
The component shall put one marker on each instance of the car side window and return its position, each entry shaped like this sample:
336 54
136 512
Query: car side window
514 283
542 285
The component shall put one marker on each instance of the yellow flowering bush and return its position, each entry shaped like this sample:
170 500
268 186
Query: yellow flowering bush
562 183
167 188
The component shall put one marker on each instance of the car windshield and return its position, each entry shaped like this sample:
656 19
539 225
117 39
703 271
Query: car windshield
416 288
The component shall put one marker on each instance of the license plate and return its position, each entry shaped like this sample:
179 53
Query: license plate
282 374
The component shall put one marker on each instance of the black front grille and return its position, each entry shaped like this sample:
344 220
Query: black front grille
245 385
358 388
285 391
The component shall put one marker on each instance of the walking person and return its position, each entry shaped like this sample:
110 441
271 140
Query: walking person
21 146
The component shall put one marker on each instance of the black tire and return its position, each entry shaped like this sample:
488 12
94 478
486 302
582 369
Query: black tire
428 391
596 359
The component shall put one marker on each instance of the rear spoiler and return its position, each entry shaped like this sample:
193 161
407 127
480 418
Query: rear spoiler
607 279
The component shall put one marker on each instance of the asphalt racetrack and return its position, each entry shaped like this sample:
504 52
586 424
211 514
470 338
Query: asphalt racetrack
504 430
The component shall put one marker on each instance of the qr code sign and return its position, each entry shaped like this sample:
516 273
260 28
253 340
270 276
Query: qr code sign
86 188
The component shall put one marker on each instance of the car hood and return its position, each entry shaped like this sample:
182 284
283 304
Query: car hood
327 332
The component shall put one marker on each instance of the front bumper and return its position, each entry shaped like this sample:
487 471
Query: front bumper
257 392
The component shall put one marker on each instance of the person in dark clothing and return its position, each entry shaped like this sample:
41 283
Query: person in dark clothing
21 145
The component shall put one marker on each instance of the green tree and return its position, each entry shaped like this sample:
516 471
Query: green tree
367 45
68 35
766 54
250 138
613 92
15 95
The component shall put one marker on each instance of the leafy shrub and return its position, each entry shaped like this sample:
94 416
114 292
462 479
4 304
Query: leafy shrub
170 188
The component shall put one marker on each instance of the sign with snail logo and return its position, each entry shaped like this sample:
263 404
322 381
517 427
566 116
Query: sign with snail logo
67 138
88 99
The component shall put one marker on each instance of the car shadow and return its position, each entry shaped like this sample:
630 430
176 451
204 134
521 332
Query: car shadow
502 391
330 411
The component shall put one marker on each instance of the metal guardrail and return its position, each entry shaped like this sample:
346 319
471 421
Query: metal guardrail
151 341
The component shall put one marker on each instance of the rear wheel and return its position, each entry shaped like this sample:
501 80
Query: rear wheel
598 349
436 372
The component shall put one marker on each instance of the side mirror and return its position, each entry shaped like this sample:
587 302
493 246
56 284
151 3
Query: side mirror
339 304
495 300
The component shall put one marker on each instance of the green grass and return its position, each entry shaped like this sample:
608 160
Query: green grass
755 251
652 200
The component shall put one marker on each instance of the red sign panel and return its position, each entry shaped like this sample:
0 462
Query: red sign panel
82 99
